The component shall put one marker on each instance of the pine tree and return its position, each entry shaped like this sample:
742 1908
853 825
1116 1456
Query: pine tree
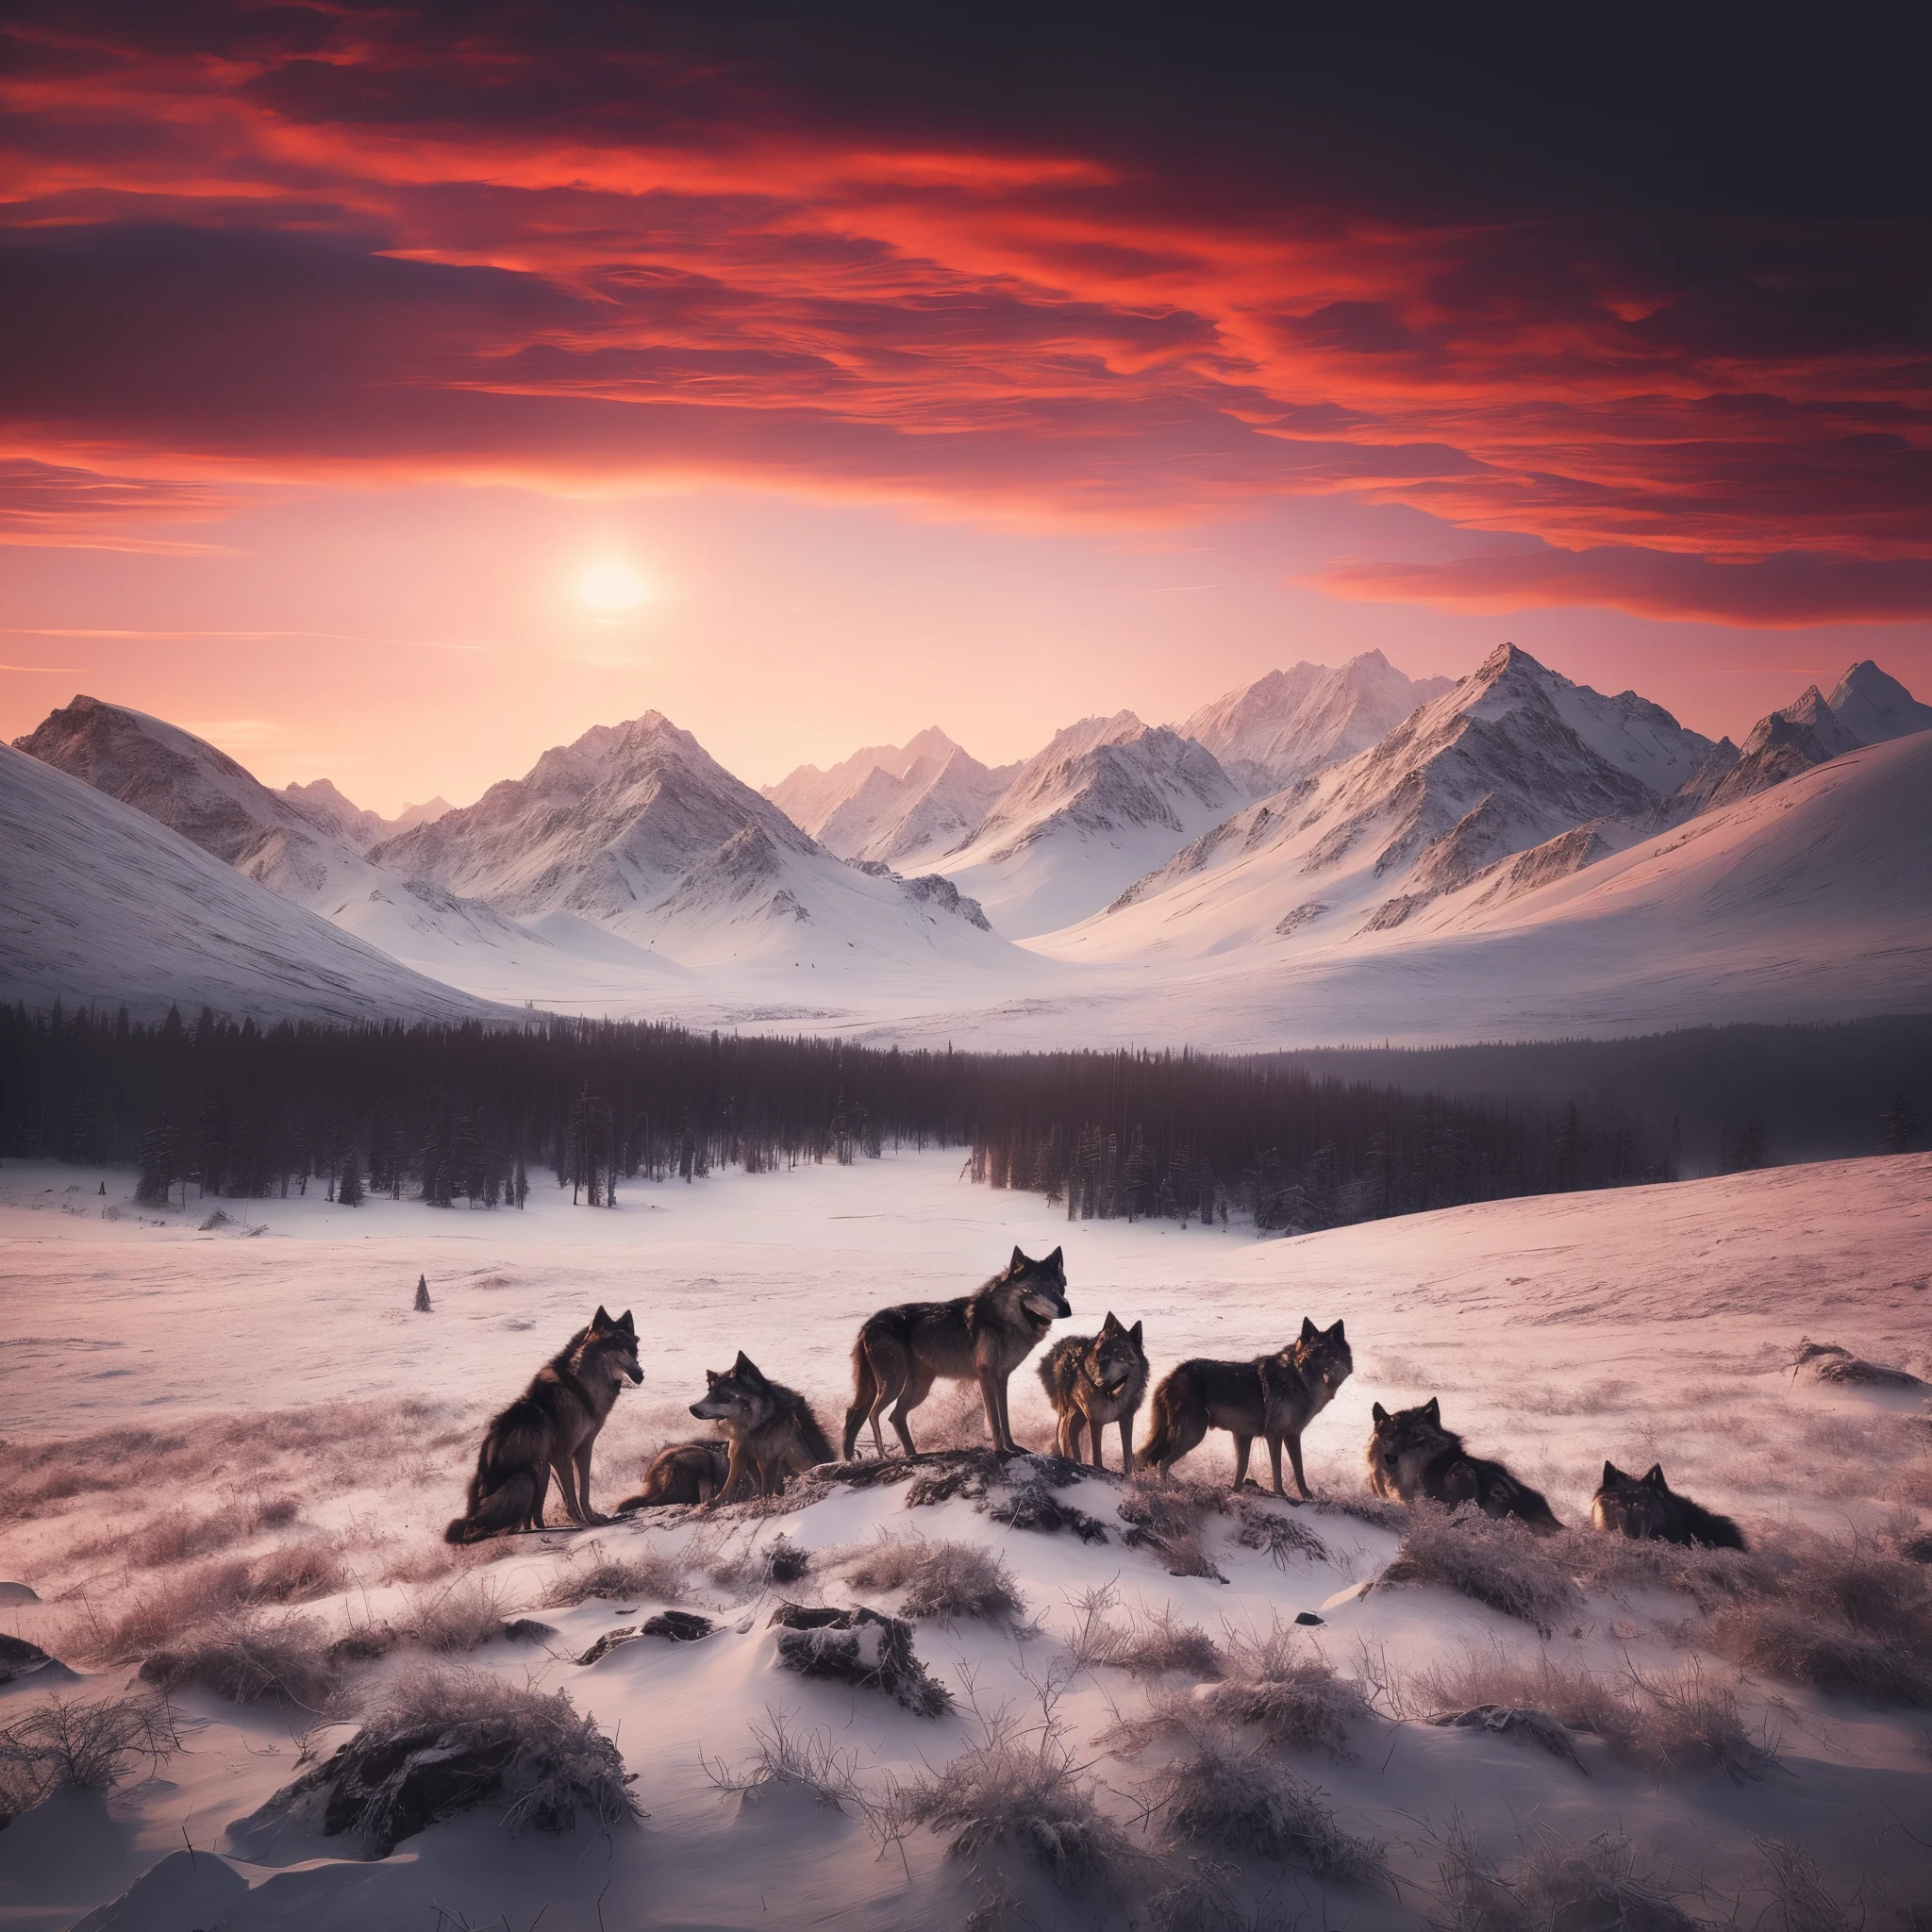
522 1183
423 1306
1899 1130
349 1189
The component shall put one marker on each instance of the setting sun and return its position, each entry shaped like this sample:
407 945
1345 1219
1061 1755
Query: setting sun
611 585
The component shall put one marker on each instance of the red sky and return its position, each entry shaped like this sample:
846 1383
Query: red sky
981 374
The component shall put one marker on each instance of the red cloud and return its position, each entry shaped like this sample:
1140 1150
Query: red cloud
283 245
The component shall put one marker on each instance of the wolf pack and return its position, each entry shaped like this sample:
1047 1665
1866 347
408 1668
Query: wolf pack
766 1433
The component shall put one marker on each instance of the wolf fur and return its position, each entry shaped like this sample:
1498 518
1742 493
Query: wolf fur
688 1473
1274 1396
550 1429
1412 1457
771 1428
1092 1380
980 1338
1645 1506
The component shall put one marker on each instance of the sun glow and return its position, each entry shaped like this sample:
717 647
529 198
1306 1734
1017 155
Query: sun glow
610 585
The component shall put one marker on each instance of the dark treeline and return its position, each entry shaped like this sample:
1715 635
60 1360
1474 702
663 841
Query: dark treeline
444 1114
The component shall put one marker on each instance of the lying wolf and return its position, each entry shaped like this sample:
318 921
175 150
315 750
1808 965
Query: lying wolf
688 1473
1645 1506
550 1428
980 1338
771 1428
1412 1457
1274 1396
1092 1380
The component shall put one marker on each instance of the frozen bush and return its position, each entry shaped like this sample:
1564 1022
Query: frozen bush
74 1744
1801 1647
1149 1643
1500 1563
651 1575
791 1759
941 1580
247 1658
1551 1885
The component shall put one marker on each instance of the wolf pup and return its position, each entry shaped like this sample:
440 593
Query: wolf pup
1274 1396
1413 1456
980 1338
771 1428
685 1472
1646 1507
1092 1380
551 1427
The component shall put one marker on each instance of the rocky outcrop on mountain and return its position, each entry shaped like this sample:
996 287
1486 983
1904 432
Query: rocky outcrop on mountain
1307 718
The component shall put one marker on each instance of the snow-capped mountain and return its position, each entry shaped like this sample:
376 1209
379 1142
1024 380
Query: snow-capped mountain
1106 800
1865 707
326 807
808 796
1513 756
99 904
635 828
914 821
287 843
1292 723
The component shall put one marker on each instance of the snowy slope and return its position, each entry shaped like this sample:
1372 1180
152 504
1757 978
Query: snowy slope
1106 801
1290 723
1636 1324
99 904
1514 755
1865 707
290 842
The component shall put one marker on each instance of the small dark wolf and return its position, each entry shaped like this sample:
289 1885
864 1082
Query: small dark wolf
1274 1396
1092 1380
772 1429
980 1338
550 1429
1645 1506
1412 1457
685 1472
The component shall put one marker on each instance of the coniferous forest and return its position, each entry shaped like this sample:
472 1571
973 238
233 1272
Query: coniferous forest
447 1114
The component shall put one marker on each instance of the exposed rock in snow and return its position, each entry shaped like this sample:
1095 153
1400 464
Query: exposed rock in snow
1106 800
1304 718
100 905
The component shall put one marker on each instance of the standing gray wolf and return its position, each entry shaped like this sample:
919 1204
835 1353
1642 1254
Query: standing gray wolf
771 1428
1274 1396
1646 1507
1413 1456
1092 1380
980 1338
551 1427
683 1473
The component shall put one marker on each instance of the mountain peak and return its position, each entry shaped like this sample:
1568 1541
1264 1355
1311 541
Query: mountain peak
1874 706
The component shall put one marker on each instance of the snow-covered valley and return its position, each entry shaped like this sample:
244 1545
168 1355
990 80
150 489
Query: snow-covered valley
188 1404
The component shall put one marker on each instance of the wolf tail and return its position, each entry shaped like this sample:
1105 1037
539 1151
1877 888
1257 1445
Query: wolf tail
1533 1508
865 1389
510 1504
1159 1444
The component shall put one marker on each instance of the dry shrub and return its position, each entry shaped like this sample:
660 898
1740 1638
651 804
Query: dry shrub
1708 1578
1196 1893
176 1536
941 1580
1171 1519
650 1576
247 1658
192 1599
1498 1562
1279 1682
71 1743
1227 1792
1801 1647
1551 1885
445 1740
297 1572
1285 1537
1026 1793
1798 1901
1148 1644
459 1617
791 1759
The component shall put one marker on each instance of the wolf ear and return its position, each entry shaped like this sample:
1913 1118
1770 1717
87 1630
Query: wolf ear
624 1322
1433 1409
1335 1334
602 1318
1112 1324
1611 1475
1308 1329
1053 1261
1134 1335
712 1378
1380 1414
747 1368
1018 1263
1653 1475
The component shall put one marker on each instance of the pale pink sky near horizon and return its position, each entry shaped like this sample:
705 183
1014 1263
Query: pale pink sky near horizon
414 641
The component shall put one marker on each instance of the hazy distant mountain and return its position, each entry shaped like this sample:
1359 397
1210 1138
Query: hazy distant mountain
913 822
359 829
808 796
1304 718
638 829
1106 801
102 905
1866 706
288 844
1510 758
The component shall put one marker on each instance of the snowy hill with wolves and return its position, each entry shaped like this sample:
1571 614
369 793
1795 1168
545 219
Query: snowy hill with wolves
100 905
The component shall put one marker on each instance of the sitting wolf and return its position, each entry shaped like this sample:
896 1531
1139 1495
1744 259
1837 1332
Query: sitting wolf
551 1427
1645 1506
684 1472
1092 1380
771 1428
1274 1396
980 1338
1413 1456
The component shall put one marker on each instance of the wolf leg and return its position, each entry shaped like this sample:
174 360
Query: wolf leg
912 1392
1294 1456
1242 1446
990 1392
867 1399
741 1470
567 1482
1126 1445
540 1495
1066 1434
584 1482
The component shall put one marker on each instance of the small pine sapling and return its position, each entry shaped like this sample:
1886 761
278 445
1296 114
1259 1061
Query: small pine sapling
423 1306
